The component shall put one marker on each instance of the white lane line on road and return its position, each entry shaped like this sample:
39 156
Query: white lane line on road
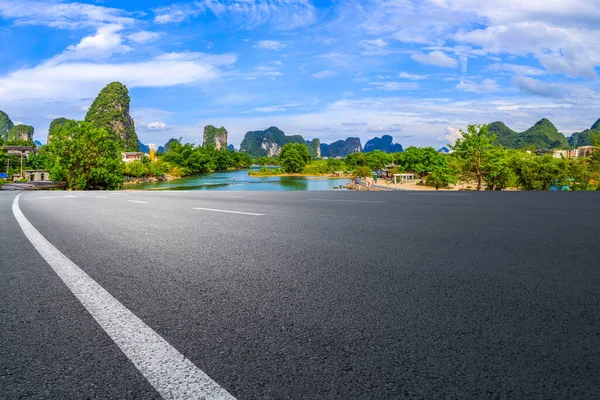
349 201
168 371
101 197
227 211
68 196
138 201
118 194
231 196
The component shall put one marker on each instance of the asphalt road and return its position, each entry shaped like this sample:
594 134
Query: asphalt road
308 295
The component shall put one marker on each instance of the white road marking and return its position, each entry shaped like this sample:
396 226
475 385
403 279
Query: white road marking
67 196
138 201
101 197
228 196
350 201
227 211
168 371
119 194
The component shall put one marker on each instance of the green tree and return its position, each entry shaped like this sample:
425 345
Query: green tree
473 148
420 160
441 177
85 157
500 173
294 157
362 172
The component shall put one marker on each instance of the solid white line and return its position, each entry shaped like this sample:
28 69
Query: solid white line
227 211
349 201
168 371
137 201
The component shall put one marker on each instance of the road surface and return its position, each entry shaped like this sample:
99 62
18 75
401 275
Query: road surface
300 295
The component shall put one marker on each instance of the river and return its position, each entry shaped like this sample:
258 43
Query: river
240 180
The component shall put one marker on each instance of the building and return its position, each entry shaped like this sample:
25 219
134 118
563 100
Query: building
584 151
36 175
32 175
131 156
444 150
566 153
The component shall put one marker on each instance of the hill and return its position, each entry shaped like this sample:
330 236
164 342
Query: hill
268 142
341 148
579 139
384 143
543 135
5 125
110 110
215 137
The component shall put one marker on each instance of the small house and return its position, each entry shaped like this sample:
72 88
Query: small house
130 156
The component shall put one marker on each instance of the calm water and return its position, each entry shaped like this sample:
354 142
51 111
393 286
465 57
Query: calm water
240 180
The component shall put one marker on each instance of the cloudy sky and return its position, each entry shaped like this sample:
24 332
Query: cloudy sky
416 70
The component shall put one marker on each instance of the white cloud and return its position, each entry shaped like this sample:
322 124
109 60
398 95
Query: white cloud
157 126
517 69
539 88
104 43
144 36
437 58
411 77
175 13
270 45
452 135
486 86
61 15
324 74
395 86
374 47
60 81
281 14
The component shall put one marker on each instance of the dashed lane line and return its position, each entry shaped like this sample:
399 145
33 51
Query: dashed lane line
168 371
227 211
138 201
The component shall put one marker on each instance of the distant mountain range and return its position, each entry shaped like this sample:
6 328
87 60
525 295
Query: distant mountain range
542 135
268 142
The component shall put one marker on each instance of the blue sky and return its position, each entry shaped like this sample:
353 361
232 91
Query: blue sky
416 70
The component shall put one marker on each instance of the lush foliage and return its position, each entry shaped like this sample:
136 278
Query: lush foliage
21 132
189 159
441 177
294 157
213 135
473 148
253 141
5 125
55 124
543 135
84 156
110 111
362 172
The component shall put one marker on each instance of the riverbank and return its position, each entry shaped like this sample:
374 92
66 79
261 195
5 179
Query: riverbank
148 179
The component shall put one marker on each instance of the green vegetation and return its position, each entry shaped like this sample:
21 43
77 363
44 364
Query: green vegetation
21 133
110 111
294 157
5 125
441 177
473 149
54 125
193 160
267 142
314 148
84 156
362 172
543 135
215 137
